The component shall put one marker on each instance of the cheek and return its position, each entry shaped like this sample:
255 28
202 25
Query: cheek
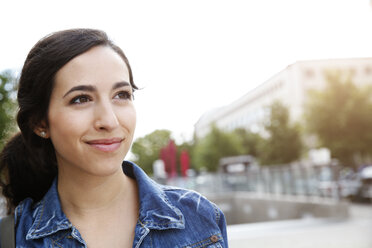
65 124
133 119
128 118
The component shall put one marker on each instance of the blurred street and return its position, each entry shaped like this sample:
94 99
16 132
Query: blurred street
354 232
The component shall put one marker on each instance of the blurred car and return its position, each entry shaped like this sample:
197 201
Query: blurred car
347 186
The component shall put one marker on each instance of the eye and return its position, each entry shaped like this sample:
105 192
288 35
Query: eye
126 95
80 99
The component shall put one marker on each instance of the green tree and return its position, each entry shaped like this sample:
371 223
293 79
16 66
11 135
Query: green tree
7 105
217 144
147 149
283 144
341 117
249 141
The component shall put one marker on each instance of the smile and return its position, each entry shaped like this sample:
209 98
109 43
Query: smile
106 145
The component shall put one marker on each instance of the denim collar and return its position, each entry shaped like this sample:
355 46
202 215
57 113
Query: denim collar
48 217
156 211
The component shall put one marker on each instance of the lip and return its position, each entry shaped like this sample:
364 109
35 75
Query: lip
105 145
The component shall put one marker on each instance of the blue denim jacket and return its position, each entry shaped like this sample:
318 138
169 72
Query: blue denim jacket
168 217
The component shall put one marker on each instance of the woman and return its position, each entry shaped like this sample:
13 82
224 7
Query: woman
65 176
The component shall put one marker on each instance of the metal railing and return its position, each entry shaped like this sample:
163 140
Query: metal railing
295 179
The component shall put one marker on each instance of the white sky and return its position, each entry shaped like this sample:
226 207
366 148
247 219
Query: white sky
191 56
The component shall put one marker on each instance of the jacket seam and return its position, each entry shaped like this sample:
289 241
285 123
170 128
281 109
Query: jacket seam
54 241
55 244
142 237
142 224
201 243
217 213
39 219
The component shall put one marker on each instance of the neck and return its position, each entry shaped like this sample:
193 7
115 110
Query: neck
85 195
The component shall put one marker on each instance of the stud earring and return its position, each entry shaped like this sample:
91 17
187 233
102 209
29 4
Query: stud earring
43 134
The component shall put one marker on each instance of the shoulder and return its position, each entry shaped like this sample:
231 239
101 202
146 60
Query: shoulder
24 214
25 209
193 203
205 223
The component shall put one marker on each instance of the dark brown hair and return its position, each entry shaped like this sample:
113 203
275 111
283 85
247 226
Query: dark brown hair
27 162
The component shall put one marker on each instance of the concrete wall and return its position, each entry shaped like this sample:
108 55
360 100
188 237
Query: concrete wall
245 207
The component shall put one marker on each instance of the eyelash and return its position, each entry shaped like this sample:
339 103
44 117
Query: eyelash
74 101
79 97
128 95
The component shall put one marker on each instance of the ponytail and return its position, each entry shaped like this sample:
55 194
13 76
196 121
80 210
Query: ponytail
25 172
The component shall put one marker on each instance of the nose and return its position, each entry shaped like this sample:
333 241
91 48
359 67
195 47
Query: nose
105 117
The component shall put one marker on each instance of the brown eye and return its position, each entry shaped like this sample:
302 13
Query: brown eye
123 95
80 99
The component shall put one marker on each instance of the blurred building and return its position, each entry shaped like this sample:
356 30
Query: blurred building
290 86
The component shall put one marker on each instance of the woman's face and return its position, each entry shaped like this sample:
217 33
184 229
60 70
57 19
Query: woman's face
91 116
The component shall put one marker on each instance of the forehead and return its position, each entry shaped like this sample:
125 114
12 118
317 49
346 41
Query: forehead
98 66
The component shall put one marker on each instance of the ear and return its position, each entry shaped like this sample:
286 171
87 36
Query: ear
42 130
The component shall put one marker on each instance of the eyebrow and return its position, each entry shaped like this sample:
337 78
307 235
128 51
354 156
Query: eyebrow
120 84
92 88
